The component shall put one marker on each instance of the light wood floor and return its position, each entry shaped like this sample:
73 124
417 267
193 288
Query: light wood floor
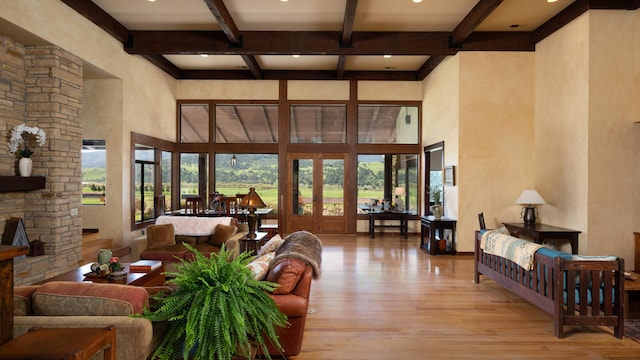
384 298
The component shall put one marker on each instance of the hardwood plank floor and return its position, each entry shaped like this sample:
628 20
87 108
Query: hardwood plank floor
384 298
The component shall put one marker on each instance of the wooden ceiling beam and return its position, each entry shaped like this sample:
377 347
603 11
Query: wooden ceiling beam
298 75
224 19
473 19
164 65
101 18
347 23
289 43
431 63
230 29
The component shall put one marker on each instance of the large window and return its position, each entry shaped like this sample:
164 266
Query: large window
193 176
94 172
318 124
194 123
152 179
144 185
246 124
388 124
259 171
388 177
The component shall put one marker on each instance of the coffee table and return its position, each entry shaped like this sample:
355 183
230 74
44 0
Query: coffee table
154 277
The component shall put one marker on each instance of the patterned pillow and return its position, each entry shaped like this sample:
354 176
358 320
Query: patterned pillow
260 265
272 245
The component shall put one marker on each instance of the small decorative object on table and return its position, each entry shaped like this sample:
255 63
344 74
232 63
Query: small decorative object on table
114 264
25 164
104 256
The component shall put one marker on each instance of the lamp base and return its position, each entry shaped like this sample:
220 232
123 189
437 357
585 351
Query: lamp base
252 221
529 215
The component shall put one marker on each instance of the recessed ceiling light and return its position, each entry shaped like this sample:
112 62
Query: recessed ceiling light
296 55
151 0
417 1
284 0
204 55
552 0
387 56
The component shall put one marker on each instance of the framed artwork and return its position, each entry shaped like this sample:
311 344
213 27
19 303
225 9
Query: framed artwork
449 175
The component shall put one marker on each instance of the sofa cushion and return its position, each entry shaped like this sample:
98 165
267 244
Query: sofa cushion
165 253
272 245
205 249
260 265
160 235
222 234
286 273
62 298
22 299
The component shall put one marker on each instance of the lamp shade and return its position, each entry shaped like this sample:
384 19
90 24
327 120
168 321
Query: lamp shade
252 200
530 197
400 191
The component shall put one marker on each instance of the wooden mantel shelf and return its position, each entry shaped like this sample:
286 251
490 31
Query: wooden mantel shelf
20 183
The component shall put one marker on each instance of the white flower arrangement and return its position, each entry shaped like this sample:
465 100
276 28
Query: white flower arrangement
17 139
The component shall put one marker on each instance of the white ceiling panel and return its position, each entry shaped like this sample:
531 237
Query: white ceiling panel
380 63
405 15
293 15
197 62
161 14
306 62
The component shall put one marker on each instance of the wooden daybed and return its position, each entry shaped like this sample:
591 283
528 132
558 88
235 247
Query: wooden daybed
546 283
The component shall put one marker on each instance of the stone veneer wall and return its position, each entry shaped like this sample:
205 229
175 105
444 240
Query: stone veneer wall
42 86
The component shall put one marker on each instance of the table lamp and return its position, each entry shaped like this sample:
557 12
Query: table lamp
400 193
528 198
252 201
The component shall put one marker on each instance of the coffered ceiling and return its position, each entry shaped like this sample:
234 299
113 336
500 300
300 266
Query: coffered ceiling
325 39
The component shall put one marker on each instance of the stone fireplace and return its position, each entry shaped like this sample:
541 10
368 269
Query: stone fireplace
42 86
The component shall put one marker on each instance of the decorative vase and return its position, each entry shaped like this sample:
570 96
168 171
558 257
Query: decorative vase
104 256
25 165
437 211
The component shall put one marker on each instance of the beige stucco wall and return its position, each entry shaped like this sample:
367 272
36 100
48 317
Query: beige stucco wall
394 91
586 92
440 119
228 89
102 102
148 95
481 105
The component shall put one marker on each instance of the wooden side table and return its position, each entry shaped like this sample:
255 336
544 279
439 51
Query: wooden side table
61 343
542 232
630 285
430 226
7 253
252 242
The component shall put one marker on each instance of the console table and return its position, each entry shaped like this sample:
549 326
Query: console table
541 232
403 217
430 225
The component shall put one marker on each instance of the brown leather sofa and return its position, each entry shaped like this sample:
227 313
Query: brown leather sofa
294 304
296 263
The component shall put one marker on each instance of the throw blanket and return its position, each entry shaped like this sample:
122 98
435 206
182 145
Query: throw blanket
194 225
517 250
301 245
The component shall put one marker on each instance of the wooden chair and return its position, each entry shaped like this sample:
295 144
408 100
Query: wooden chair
481 221
194 205
159 204
229 206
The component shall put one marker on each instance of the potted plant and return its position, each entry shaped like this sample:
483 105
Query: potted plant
436 195
217 311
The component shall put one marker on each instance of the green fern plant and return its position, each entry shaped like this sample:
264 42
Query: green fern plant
217 311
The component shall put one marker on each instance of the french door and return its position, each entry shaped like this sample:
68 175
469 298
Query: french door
315 189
